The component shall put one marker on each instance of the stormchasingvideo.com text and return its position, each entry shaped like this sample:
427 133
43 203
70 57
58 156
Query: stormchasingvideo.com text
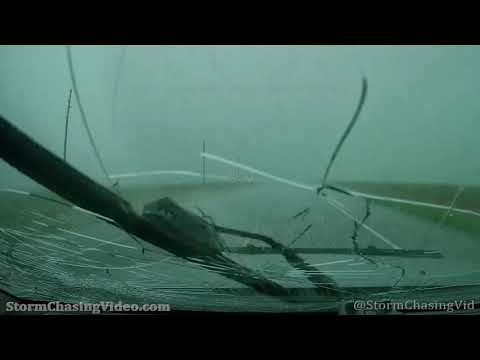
93 308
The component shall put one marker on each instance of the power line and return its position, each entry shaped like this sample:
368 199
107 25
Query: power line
66 126
82 114
346 132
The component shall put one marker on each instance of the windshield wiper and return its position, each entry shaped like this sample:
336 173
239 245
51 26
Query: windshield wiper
47 169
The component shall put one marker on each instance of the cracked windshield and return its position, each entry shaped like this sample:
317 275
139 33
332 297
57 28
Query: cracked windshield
240 178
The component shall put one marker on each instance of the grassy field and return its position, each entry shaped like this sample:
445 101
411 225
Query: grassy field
439 194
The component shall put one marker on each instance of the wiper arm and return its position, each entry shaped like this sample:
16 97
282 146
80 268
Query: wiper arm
324 284
47 169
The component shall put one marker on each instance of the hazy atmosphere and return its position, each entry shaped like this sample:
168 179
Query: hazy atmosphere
280 108
399 213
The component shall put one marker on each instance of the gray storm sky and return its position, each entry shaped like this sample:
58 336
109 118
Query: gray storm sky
279 108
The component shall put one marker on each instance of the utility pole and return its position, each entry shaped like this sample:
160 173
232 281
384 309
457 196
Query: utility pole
66 126
203 163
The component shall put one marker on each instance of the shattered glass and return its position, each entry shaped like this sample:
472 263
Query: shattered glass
51 252
364 241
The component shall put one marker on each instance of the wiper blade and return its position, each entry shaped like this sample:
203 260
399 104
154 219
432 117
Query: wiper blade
324 284
47 169
370 251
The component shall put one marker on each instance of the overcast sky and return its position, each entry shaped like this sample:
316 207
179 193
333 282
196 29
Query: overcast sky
279 108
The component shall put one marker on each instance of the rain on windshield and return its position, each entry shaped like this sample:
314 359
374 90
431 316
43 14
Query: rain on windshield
282 178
